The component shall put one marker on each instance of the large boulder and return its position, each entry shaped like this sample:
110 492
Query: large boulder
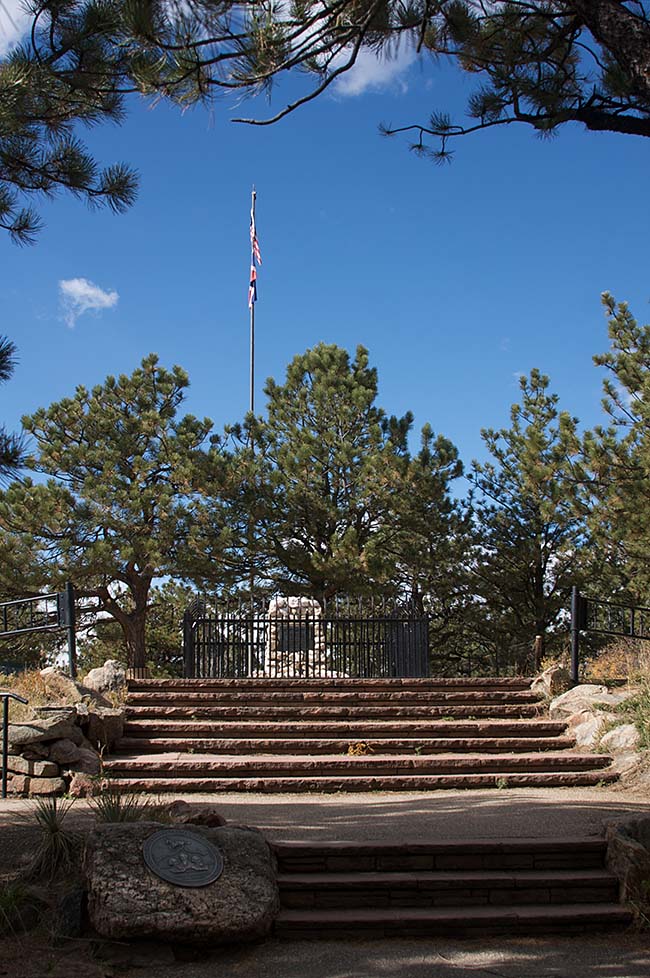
180 812
65 752
585 697
628 857
88 762
51 725
61 687
46 786
587 727
35 769
105 727
126 900
622 739
109 678
553 681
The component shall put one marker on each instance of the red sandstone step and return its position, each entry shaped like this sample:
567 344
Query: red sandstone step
190 765
433 921
300 785
352 729
428 683
302 711
411 745
443 889
326 697
574 853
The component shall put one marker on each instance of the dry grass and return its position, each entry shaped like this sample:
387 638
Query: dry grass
624 658
51 690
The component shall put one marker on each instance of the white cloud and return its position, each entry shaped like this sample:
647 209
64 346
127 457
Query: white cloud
14 21
78 296
373 72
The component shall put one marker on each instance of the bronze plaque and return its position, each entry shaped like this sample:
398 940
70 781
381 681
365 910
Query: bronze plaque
182 858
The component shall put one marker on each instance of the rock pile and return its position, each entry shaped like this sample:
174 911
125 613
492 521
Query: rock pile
60 750
590 713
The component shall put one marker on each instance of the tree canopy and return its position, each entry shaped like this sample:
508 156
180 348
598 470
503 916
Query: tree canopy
111 516
530 530
11 445
541 64
617 457
320 491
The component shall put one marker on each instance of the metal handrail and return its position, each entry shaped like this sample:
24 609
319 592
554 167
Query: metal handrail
6 696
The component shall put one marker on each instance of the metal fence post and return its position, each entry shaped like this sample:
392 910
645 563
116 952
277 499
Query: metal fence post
188 646
576 616
5 743
5 735
71 622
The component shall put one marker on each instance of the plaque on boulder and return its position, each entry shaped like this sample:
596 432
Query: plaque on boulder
182 858
127 900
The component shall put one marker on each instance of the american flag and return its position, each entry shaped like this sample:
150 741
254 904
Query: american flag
255 245
252 288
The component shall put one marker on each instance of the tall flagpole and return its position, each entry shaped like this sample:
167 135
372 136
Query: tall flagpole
251 305
252 298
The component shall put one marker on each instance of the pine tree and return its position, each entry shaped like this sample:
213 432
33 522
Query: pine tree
11 446
120 467
528 523
322 497
428 546
618 459
329 459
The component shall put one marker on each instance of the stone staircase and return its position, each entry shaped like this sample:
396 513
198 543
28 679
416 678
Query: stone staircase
292 735
519 886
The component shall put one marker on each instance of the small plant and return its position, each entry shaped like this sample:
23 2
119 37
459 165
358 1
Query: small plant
15 905
501 783
113 806
58 849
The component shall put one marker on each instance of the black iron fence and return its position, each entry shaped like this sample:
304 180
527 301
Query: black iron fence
44 612
5 697
604 618
309 646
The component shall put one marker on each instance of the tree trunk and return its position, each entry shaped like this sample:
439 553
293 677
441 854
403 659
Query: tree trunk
134 627
625 36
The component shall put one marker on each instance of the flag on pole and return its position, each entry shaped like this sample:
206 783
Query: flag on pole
256 257
255 247
252 288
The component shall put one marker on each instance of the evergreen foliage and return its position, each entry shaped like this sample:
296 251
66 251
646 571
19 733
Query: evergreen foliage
322 496
11 446
318 490
111 516
541 64
529 531
617 494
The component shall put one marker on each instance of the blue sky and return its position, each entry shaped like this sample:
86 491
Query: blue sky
455 278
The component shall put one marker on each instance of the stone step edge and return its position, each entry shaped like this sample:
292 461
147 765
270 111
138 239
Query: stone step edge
446 879
343 761
507 682
285 848
427 745
366 711
361 785
337 696
405 725
464 918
